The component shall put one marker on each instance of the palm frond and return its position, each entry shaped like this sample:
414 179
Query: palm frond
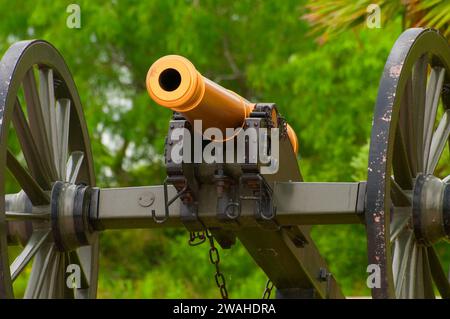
330 17
437 15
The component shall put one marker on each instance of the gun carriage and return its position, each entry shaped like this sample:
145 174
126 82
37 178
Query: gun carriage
260 200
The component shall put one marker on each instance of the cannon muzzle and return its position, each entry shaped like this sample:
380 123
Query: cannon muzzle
173 82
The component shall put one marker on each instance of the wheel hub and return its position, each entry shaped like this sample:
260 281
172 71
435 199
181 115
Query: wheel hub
70 206
431 209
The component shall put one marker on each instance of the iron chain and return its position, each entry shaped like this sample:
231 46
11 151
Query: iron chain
268 289
214 257
197 238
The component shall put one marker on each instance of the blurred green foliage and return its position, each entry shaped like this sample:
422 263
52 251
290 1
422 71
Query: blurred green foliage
260 49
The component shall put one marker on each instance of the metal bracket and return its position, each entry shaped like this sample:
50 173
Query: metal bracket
265 210
228 209
188 206
182 176
264 115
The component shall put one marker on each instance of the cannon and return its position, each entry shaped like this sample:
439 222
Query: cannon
234 177
173 82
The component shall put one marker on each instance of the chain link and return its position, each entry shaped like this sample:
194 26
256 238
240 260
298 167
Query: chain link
197 238
214 257
268 289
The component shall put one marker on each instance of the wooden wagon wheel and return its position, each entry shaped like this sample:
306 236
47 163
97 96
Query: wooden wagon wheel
39 98
407 206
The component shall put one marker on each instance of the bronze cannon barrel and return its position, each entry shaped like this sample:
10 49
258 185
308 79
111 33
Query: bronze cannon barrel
174 82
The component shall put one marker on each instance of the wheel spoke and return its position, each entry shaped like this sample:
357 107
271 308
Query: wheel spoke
400 219
41 269
29 148
43 278
401 166
47 95
55 273
58 288
439 276
438 141
427 277
88 260
74 165
397 253
36 240
432 100
404 267
26 216
38 123
26 181
398 195
406 125
412 284
62 124
420 285
75 259
67 293
419 83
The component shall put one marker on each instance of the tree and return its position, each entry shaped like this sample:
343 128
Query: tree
330 17
260 49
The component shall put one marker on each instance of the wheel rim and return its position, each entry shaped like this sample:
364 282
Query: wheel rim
404 152
54 146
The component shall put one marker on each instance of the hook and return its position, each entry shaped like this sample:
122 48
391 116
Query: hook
167 203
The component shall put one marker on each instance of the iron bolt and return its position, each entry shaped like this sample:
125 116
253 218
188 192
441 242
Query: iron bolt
323 274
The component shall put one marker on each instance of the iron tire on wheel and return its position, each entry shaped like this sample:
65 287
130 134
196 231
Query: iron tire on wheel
404 151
